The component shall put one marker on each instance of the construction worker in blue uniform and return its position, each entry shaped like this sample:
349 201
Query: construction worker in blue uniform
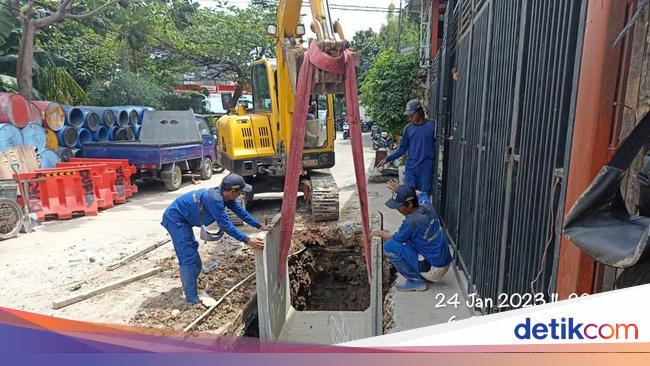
420 234
199 209
419 142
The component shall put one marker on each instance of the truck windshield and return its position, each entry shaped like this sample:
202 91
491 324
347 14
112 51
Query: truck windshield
261 92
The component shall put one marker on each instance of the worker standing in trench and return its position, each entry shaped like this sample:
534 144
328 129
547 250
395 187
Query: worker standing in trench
419 140
421 233
199 209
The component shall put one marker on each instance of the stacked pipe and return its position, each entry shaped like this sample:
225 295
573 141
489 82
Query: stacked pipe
117 123
32 124
57 132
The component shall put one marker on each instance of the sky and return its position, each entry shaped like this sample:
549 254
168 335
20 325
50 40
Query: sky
351 21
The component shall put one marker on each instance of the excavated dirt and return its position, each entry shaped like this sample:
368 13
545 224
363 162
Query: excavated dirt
169 310
330 272
326 271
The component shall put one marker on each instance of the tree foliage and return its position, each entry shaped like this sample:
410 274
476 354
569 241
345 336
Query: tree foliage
392 81
184 101
226 39
127 89
366 42
389 78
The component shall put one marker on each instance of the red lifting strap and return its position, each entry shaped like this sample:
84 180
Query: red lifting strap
344 65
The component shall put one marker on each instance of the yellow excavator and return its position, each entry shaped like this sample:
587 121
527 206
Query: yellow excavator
253 142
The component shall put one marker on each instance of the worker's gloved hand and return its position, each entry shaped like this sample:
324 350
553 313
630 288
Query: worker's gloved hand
382 163
255 243
266 228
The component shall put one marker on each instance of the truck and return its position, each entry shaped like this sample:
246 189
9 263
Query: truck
172 143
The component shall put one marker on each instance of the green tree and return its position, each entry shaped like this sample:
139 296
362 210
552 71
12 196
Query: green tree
127 89
392 81
34 16
365 41
224 41
409 35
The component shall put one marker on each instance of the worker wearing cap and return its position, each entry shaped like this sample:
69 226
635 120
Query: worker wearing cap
201 208
420 234
419 141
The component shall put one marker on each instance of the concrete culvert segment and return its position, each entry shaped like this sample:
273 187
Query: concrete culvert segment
357 316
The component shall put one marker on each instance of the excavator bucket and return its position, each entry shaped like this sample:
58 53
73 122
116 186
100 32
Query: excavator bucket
324 82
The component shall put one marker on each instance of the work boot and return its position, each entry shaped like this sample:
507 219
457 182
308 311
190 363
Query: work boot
412 285
188 275
207 300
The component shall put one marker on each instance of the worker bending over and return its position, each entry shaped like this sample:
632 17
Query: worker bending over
420 234
418 141
199 209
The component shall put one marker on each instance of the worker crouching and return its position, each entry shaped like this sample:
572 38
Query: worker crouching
420 234
199 209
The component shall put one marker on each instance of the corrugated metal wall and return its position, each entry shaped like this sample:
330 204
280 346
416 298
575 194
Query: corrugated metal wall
506 135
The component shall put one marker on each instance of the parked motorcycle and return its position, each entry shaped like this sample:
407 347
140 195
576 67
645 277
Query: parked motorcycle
384 141
374 131
346 131
365 127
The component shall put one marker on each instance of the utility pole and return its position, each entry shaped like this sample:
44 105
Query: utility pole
399 27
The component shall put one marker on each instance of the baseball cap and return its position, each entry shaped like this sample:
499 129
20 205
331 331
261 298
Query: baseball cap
233 180
412 106
400 196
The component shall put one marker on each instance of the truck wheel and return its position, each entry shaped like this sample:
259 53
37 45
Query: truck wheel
174 180
206 169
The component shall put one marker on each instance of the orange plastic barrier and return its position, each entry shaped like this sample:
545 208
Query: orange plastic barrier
61 193
104 178
123 173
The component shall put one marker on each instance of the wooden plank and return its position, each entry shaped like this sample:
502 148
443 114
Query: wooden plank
136 255
105 288
24 156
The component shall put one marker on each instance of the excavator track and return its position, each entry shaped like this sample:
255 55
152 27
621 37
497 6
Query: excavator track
322 196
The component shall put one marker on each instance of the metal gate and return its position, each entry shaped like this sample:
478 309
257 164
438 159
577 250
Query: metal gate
507 118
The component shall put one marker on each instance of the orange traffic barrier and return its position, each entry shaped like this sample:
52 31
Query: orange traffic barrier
60 193
124 173
104 179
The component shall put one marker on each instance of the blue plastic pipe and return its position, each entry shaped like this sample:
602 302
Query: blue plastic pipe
67 136
84 137
101 134
73 116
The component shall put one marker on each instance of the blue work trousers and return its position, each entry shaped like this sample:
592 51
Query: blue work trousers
420 177
189 260
405 259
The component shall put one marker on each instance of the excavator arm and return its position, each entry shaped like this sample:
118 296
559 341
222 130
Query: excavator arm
288 18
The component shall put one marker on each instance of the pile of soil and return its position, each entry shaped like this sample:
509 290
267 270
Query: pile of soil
229 318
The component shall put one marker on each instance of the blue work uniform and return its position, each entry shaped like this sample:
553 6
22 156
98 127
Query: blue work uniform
183 214
420 143
420 234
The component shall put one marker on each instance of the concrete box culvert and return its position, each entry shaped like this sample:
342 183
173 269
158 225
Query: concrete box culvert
279 320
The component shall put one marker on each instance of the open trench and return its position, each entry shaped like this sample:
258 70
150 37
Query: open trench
326 272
